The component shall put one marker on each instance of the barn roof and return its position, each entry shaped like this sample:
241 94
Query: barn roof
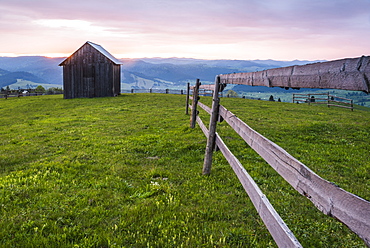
99 49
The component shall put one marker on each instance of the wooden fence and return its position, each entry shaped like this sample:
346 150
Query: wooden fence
18 94
330 199
323 98
163 91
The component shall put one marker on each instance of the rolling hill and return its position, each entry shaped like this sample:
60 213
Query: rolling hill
13 78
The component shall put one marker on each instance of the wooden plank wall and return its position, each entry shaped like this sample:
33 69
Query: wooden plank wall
116 79
345 74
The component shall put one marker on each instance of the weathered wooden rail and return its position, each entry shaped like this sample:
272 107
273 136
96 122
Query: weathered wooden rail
345 74
323 98
330 199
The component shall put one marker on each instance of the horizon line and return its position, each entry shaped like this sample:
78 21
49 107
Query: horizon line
63 55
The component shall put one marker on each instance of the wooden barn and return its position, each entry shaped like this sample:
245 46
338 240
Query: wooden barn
91 71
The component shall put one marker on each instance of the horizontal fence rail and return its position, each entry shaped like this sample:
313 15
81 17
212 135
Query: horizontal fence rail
323 98
345 74
162 91
209 87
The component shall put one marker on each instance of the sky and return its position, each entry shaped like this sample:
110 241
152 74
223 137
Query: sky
202 29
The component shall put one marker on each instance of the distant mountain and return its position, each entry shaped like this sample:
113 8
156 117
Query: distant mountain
46 69
135 73
276 63
179 71
28 63
231 64
3 72
175 73
14 77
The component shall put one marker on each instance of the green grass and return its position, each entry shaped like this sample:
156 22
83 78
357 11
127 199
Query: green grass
126 172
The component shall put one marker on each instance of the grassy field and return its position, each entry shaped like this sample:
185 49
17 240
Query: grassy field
359 98
126 172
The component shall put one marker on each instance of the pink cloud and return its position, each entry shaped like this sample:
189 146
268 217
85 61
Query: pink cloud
151 25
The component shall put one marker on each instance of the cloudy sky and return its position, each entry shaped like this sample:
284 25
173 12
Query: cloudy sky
207 29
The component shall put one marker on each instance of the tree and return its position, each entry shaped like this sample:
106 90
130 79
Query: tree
40 89
54 90
271 98
231 93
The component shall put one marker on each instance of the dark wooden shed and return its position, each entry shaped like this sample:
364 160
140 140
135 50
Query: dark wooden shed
91 71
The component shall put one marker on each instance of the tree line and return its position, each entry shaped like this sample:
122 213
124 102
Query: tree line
39 89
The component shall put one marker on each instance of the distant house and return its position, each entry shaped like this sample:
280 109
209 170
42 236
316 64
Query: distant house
91 71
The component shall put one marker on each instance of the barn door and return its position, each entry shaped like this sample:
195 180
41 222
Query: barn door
89 81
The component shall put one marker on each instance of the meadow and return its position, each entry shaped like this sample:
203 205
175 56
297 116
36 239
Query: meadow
126 172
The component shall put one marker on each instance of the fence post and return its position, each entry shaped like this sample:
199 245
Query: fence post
187 99
167 90
194 111
132 90
150 90
212 130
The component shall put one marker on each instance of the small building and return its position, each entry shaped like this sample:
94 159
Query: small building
91 71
